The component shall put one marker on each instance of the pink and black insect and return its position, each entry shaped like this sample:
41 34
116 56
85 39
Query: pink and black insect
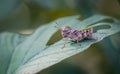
75 35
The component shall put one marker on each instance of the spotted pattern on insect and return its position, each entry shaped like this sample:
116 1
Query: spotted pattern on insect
75 35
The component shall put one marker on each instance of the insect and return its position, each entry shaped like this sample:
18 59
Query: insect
75 35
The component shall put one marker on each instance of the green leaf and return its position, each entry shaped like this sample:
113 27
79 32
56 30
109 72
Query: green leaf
32 55
8 42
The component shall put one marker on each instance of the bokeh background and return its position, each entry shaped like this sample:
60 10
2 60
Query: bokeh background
25 16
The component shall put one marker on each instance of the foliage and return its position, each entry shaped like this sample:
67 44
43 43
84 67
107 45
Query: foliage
29 54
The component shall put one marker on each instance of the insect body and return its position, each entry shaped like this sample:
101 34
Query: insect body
75 35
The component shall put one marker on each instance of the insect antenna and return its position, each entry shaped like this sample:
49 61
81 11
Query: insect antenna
57 26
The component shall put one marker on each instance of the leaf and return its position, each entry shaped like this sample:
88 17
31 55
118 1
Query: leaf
33 55
8 42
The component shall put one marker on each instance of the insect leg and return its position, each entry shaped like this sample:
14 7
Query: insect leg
78 43
65 40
